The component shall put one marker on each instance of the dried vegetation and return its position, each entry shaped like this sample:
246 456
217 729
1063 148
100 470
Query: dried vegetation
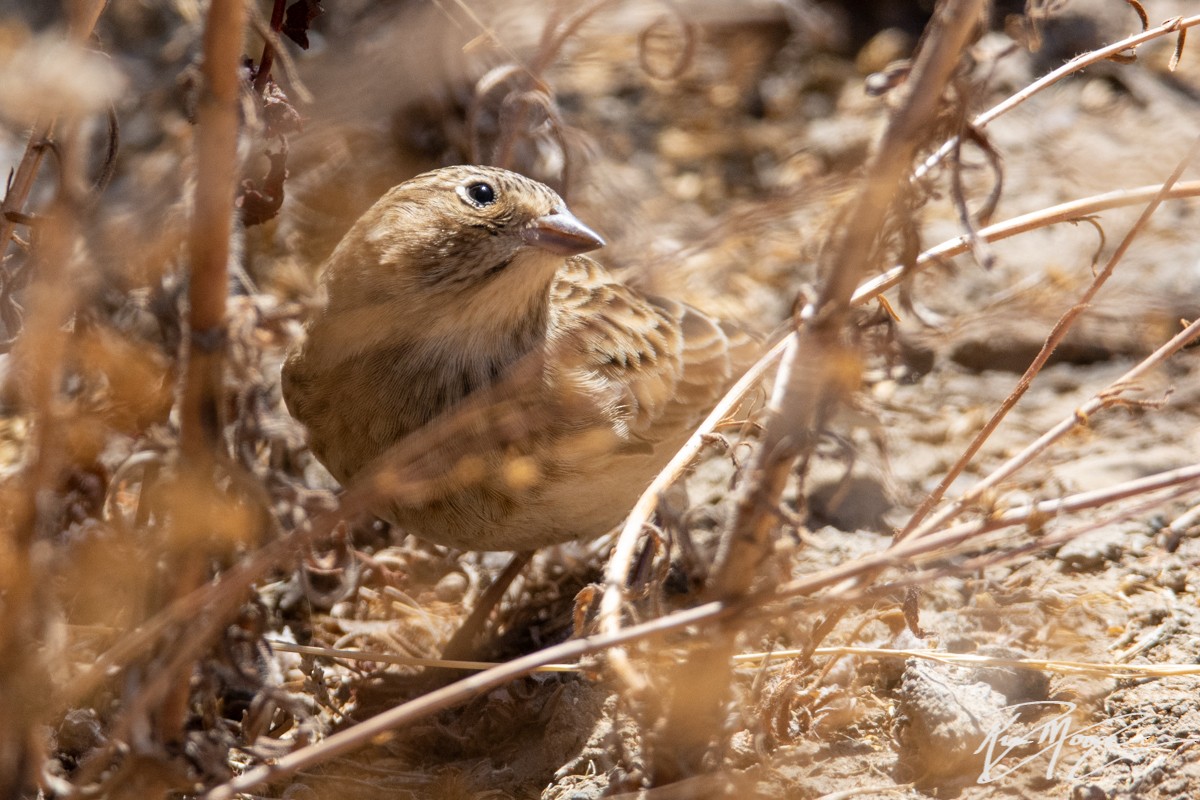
966 478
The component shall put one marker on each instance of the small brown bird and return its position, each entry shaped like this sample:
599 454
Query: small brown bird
451 282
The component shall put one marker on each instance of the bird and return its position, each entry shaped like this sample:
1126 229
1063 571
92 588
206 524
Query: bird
471 282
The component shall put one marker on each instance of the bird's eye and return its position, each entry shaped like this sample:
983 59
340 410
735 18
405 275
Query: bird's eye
481 194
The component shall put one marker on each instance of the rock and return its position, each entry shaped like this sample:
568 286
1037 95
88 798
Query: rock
1092 550
944 715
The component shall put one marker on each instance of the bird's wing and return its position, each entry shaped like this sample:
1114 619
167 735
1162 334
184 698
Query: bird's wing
666 363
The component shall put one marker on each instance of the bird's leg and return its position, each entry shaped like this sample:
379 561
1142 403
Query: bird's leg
461 646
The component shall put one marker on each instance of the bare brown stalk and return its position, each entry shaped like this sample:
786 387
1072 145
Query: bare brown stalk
778 658
938 556
991 557
271 38
619 564
617 570
382 657
819 364
806 389
27 496
212 224
856 580
1037 515
1055 337
1064 212
1110 395
201 420
859 581
82 23
1082 61
22 181
268 52
42 349
1058 666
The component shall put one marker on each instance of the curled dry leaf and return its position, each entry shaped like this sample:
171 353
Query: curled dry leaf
299 18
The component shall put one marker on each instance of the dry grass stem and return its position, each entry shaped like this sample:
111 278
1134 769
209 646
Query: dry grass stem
1057 334
853 581
1082 61
1034 220
618 566
1056 666
1109 396
21 182
806 390
560 657
456 693
776 659
617 570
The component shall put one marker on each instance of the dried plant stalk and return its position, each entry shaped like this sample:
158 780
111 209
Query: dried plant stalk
817 369
1057 334
617 571
364 733
201 422
1106 397
1081 61
51 299
212 225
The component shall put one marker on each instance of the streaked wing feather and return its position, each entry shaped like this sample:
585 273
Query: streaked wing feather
667 361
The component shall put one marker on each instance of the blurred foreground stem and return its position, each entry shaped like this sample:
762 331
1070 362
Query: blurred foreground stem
815 374
27 497
212 225
209 251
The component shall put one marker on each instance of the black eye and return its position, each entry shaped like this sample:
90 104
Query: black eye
481 194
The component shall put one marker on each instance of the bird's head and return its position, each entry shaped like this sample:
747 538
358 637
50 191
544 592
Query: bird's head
468 235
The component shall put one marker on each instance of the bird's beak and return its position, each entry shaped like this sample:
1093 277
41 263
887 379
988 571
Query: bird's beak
562 233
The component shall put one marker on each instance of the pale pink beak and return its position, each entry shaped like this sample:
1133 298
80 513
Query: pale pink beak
562 233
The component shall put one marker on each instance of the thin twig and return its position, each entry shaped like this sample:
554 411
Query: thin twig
779 659
200 410
82 24
25 658
816 371
1058 666
855 579
1052 341
1082 61
268 52
617 570
819 362
561 656
1098 401
456 693
1064 212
